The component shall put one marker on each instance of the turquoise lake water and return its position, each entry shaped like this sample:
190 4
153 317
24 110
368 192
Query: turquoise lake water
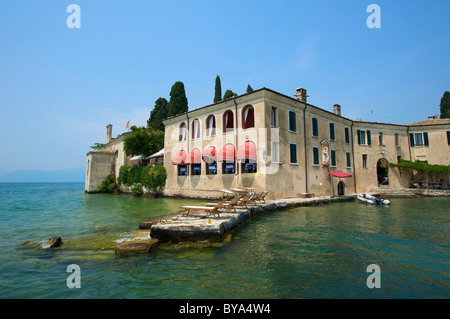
320 251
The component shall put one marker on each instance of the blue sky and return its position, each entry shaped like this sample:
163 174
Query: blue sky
60 87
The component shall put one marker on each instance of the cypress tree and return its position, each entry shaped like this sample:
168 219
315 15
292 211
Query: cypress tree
218 90
158 114
249 89
178 102
445 105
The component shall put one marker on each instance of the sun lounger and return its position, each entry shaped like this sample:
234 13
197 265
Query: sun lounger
211 210
261 196
245 200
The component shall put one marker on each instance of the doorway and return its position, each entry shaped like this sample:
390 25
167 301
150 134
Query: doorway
341 188
383 172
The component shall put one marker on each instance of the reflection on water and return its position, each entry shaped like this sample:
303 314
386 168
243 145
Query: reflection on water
319 251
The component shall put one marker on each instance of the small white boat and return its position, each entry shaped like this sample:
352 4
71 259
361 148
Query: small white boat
373 200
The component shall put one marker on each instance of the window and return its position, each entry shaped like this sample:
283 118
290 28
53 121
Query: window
292 122
275 152
182 170
419 139
273 116
364 137
248 117
196 169
315 155
364 160
211 125
182 132
195 129
448 137
228 168
211 168
228 121
332 132
399 158
315 128
349 160
380 138
247 167
397 141
293 153
347 135
333 158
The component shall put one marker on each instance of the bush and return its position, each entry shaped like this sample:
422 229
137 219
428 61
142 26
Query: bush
152 177
108 185
137 189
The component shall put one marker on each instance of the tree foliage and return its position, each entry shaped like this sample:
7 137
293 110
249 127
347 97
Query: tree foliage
158 114
178 102
249 89
228 95
421 166
143 141
218 90
445 105
108 185
98 146
152 177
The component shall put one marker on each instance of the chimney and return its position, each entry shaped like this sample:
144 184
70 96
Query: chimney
337 109
108 133
300 94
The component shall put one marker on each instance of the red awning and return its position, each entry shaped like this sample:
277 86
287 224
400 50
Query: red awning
227 154
179 158
247 151
194 157
340 174
209 155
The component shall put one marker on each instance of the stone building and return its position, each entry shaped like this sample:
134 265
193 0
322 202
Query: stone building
108 160
269 141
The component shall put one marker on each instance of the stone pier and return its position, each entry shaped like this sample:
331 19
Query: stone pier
199 226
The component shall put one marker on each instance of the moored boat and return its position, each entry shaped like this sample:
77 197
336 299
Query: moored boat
373 200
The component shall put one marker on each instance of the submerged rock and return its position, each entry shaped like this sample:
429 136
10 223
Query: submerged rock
55 241
135 247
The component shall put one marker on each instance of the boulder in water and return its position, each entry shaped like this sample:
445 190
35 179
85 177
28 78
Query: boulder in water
55 241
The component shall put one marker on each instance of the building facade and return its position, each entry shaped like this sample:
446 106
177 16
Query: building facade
269 141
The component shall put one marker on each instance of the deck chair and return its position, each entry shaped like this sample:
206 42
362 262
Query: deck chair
228 204
261 196
211 210
245 200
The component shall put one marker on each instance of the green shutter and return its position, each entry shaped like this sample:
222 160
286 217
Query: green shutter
332 131
411 139
349 164
425 138
359 136
293 151
347 135
314 127
333 158
292 122
315 156
369 141
448 137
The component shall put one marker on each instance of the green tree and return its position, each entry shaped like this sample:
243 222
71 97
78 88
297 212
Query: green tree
108 185
445 105
158 114
178 102
143 141
98 146
218 90
228 95
249 89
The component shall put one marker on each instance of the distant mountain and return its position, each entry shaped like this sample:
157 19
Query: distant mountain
66 175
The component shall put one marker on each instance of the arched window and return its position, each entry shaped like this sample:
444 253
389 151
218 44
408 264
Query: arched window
228 121
182 132
195 129
248 117
211 125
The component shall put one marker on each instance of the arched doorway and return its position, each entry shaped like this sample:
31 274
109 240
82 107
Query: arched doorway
341 188
383 171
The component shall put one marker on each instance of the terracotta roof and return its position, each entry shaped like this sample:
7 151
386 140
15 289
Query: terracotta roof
432 122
